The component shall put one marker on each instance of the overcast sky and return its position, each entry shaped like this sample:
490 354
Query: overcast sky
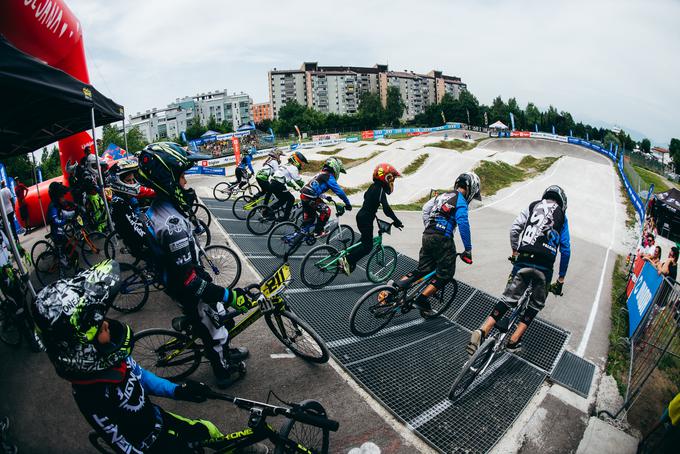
612 62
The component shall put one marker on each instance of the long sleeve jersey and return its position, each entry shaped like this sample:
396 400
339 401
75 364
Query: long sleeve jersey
322 182
374 197
442 214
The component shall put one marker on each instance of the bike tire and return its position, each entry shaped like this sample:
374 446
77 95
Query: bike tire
151 345
278 241
341 237
319 267
48 269
256 222
251 190
115 249
297 336
134 290
38 248
222 191
223 259
381 264
202 213
470 370
99 444
438 303
237 207
205 237
305 435
367 316
93 251
10 333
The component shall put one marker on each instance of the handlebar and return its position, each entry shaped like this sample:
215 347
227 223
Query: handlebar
460 255
296 412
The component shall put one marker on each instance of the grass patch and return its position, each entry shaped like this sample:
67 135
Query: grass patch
330 152
496 175
618 354
314 167
455 144
631 214
354 190
382 144
362 145
418 204
415 164
649 177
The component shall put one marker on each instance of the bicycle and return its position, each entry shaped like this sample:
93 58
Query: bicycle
287 237
91 244
177 353
16 322
262 219
297 435
202 213
243 204
377 307
494 346
320 266
224 190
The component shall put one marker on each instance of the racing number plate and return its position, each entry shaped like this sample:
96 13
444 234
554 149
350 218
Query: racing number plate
278 280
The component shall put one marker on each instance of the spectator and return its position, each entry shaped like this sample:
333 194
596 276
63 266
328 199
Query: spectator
6 198
21 190
669 267
655 257
646 247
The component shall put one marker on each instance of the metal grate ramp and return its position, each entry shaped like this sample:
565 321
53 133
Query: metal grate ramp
574 373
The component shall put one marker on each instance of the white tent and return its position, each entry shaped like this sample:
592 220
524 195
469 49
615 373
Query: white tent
498 125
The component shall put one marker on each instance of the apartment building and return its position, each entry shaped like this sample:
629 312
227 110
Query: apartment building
337 89
262 111
167 123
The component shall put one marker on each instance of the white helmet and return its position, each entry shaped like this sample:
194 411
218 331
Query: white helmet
469 181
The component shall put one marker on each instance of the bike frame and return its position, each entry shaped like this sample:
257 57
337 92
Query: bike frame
325 263
253 203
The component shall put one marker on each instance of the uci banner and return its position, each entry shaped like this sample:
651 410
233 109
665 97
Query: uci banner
642 296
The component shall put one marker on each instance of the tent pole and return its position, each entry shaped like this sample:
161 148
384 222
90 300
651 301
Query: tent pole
125 132
37 188
99 171
15 249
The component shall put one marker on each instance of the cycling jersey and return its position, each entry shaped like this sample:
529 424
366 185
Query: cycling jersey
539 232
121 411
442 214
58 218
322 182
288 175
267 170
246 162
130 224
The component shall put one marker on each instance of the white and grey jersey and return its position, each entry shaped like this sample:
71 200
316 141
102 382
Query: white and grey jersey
173 232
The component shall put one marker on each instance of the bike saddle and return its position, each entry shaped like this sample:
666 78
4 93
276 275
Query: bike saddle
180 323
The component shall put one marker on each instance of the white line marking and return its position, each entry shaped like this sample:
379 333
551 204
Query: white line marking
391 329
596 303
330 288
229 219
428 414
282 355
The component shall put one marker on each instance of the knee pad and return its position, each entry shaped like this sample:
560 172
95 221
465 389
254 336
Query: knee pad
499 310
529 315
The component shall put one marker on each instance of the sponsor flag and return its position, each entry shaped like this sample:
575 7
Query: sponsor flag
587 138
553 129
536 126
39 174
486 119
237 149
184 136
443 117
512 121
570 133
299 134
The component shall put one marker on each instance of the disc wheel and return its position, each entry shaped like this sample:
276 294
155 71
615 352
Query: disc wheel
319 267
257 221
223 265
237 208
166 353
297 336
471 369
341 237
281 238
134 289
92 248
312 438
222 191
374 310
381 264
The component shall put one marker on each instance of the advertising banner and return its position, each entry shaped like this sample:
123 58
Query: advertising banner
203 170
640 299
352 139
325 137
523 134
236 144
637 268
365 135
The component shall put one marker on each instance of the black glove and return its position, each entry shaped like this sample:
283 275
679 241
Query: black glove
398 224
192 391
238 299
348 207
556 288
466 257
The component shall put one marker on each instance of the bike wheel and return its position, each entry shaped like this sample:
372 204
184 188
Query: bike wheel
251 190
168 354
204 237
282 239
223 265
319 267
222 191
237 208
9 328
341 237
115 249
134 290
92 248
438 303
471 369
370 316
297 336
48 269
257 221
312 438
381 264
38 248
202 213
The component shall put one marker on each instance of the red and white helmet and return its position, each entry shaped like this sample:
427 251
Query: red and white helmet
385 174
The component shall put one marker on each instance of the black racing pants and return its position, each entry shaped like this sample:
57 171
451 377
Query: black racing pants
283 196
265 190
315 210
436 253
365 226
180 433
241 176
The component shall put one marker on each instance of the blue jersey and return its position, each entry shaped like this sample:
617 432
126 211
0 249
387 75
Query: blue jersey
246 162
442 214
322 182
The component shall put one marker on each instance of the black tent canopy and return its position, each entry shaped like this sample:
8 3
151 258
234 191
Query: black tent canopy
667 214
42 104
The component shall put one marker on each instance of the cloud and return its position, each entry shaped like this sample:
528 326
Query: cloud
612 60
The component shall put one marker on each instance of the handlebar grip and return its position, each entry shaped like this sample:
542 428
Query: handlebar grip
318 421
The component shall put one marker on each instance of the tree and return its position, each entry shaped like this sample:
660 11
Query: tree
111 135
50 163
611 138
371 112
674 151
194 129
19 166
394 108
645 146
136 140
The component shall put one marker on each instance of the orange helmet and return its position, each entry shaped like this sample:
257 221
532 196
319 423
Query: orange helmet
385 174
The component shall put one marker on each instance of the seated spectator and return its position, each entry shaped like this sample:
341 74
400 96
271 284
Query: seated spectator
669 267
655 257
